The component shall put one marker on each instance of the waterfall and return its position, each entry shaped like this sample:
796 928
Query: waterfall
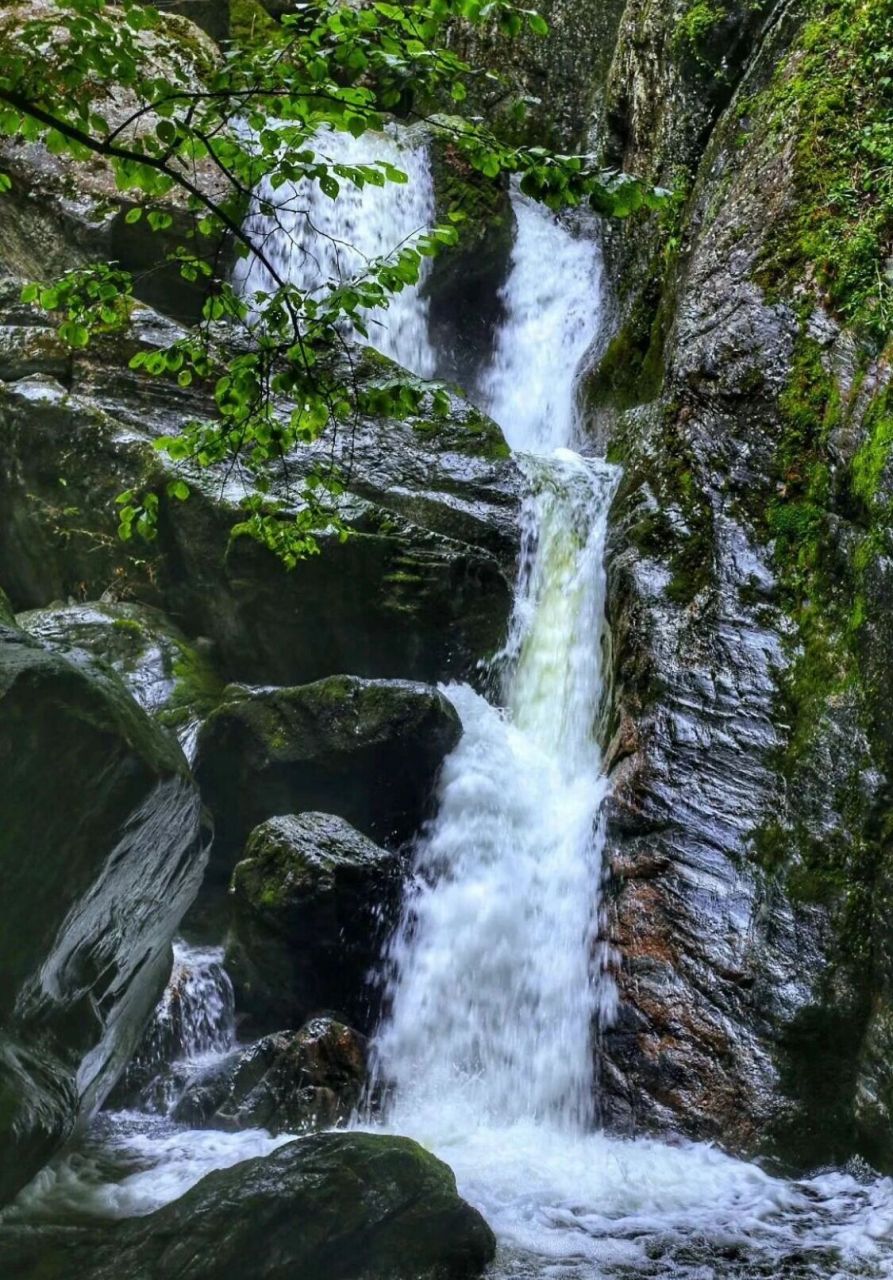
552 300
314 241
193 1026
497 979
496 989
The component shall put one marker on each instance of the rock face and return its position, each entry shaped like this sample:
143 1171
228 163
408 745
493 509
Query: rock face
59 215
750 768
329 1207
311 903
367 750
287 1082
96 801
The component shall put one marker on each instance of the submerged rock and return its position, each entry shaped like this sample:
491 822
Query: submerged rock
287 1082
310 904
101 854
367 750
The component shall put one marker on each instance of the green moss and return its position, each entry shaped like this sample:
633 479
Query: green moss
832 95
7 617
197 691
128 627
249 22
471 433
679 530
632 368
821 587
871 460
696 27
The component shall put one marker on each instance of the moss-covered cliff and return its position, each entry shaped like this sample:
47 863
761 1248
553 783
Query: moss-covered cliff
746 393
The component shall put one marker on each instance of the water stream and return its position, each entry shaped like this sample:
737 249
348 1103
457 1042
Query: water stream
499 982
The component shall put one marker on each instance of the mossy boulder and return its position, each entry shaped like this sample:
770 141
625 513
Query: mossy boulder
288 1082
310 903
367 750
334 1206
100 854
169 676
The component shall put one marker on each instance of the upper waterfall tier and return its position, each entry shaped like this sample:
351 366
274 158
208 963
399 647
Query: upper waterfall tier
314 241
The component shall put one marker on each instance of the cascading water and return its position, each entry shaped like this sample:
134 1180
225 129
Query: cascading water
495 996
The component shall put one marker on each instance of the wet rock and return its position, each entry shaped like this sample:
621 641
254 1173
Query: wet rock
101 854
168 676
745 806
422 590
287 1082
60 214
311 902
367 750
351 1206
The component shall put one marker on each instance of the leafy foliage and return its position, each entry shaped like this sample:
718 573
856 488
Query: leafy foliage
258 113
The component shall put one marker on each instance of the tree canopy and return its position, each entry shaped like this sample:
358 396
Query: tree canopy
175 121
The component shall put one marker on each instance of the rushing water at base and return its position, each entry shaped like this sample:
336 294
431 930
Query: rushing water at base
132 1162
499 982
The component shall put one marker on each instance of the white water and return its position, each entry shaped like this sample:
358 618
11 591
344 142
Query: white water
552 302
496 990
316 242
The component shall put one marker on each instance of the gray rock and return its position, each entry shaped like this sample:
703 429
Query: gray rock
310 904
101 854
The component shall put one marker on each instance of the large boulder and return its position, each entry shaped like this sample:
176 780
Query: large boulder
421 589
171 678
367 750
348 1206
101 854
60 213
288 1082
310 905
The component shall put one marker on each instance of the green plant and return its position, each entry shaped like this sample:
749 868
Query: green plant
256 116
